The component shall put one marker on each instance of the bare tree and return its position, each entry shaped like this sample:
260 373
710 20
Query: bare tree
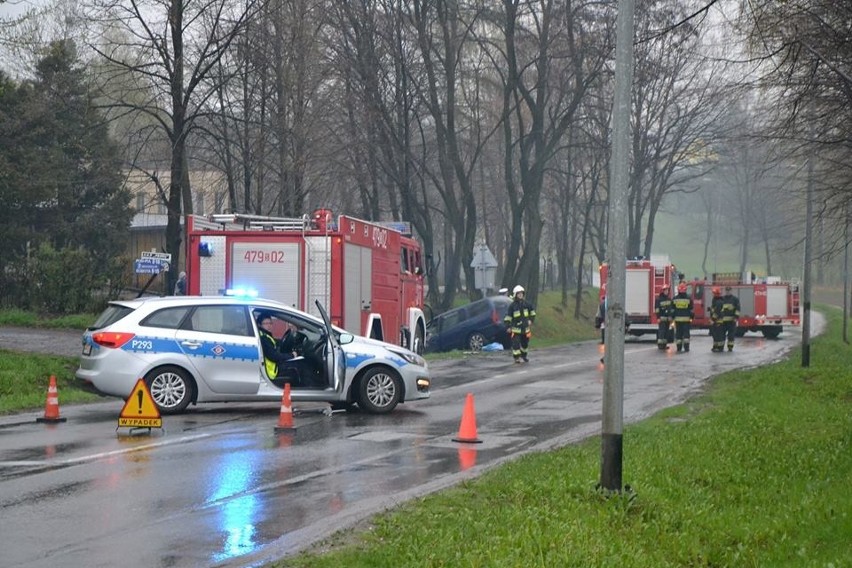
168 47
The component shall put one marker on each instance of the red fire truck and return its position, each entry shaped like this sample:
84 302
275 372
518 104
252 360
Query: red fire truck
368 275
644 279
766 305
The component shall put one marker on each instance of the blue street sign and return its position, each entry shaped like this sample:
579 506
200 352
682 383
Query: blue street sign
150 266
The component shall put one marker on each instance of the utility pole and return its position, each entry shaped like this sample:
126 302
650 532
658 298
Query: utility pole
806 280
846 275
616 248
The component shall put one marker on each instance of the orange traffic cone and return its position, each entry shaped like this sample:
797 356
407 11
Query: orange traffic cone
467 429
285 418
51 405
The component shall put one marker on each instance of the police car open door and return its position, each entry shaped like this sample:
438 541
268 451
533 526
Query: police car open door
335 361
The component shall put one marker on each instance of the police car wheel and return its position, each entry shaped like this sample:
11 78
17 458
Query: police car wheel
379 390
171 388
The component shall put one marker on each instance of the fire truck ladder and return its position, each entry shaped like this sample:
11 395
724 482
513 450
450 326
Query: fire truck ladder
263 222
794 300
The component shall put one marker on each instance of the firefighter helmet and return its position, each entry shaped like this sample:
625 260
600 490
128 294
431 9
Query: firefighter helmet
517 290
681 287
665 289
717 291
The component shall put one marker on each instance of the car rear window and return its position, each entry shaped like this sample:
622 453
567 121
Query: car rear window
478 308
168 318
109 316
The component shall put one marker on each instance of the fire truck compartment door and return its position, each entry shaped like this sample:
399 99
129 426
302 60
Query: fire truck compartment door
638 292
335 362
776 301
272 269
357 297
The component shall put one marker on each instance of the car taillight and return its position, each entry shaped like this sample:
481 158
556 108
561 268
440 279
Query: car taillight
112 339
495 317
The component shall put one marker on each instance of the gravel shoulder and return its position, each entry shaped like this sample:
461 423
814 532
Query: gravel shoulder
67 343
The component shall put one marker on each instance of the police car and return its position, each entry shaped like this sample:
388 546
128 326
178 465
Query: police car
196 349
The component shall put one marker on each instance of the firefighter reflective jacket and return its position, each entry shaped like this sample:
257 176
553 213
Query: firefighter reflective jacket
682 308
519 316
663 308
730 307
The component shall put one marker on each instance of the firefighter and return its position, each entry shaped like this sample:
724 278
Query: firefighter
519 318
717 332
730 315
600 319
683 314
663 308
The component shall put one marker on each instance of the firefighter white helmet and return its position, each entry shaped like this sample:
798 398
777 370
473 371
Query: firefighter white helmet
517 290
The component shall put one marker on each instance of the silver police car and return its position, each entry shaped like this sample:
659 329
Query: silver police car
193 349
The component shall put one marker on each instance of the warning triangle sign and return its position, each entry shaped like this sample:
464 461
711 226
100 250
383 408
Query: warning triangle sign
139 410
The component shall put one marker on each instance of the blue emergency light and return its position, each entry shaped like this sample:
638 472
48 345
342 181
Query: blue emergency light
241 292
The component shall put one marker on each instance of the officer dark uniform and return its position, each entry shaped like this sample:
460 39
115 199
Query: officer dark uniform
519 318
730 315
663 308
683 315
274 358
717 332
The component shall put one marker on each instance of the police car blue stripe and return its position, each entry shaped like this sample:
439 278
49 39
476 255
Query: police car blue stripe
206 350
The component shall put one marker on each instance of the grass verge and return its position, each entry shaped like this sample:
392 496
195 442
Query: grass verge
24 378
21 318
753 473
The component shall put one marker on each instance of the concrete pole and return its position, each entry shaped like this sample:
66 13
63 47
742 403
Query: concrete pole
806 280
846 276
619 166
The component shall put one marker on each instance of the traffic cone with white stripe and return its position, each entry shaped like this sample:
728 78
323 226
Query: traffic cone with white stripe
285 417
51 405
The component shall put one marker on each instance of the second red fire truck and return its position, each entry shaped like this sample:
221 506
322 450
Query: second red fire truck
368 275
767 305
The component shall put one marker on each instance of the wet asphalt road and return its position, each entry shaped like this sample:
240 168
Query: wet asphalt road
218 487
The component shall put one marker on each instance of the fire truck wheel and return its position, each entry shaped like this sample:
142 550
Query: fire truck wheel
171 388
379 390
476 341
771 331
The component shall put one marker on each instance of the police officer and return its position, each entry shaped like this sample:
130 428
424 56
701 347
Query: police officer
730 315
717 332
519 318
274 358
663 308
683 314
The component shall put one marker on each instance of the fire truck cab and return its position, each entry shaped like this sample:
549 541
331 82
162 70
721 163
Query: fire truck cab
368 275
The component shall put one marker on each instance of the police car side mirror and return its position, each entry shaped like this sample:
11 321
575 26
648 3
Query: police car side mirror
346 338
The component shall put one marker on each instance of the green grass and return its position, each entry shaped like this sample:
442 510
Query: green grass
753 473
24 378
23 318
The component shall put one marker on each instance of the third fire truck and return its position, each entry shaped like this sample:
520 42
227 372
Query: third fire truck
368 275
767 305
